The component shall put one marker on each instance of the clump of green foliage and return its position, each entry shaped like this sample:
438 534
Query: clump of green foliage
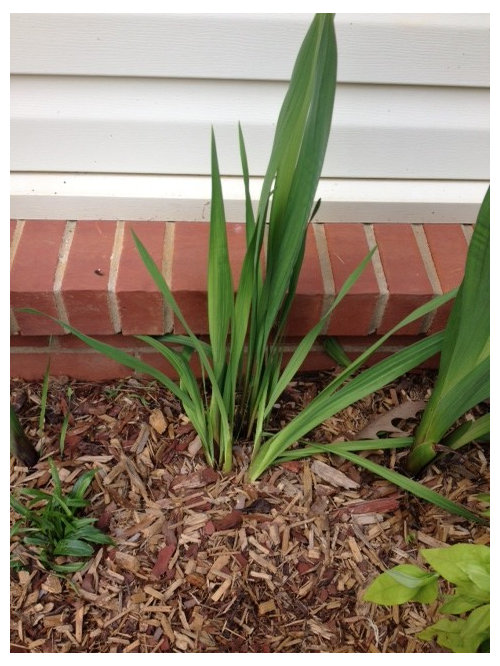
49 526
467 567
243 373
464 369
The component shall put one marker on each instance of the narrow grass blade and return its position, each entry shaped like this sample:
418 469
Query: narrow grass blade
19 508
81 484
249 214
334 349
309 449
468 432
118 355
336 397
62 435
193 401
308 340
413 487
463 380
55 478
224 434
220 284
43 399
403 482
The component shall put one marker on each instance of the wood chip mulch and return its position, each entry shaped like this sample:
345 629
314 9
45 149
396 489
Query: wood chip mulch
206 562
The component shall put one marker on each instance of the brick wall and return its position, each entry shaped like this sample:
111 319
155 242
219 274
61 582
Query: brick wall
89 274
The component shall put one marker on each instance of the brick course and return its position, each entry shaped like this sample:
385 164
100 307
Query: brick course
90 273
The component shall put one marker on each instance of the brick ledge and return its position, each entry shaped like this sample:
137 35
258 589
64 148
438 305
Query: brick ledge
89 274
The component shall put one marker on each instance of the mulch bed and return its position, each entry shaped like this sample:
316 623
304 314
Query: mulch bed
206 562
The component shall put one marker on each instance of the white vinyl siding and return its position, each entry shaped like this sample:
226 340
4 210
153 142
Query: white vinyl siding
121 105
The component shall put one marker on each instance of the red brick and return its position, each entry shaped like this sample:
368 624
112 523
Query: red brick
87 366
30 366
30 362
33 274
30 341
139 299
71 342
448 249
405 273
85 281
307 305
190 266
158 361
347 247
90 366
315 361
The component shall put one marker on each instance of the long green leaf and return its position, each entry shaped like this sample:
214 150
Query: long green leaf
73 548
289 188
361 445
219 283
335 398
417 489
117 355
193 402
403 482
297 159
463 379
224 434
308 340
468 432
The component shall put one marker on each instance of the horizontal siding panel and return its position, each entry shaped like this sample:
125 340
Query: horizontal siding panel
129 125
148 197
421 49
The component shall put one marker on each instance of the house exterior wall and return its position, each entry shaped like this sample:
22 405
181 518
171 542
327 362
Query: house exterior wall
111 113
111 118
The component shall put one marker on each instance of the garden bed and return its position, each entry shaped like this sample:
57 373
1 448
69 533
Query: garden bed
206 562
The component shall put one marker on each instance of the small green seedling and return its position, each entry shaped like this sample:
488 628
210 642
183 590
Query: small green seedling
49 526
467 567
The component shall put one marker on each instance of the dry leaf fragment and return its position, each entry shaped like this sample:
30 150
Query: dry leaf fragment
332 476
163 559
383 422
157 421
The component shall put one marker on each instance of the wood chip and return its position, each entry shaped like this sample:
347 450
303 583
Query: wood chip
267 607
52 584
157 421
163 560
332 476
129 562
293 553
